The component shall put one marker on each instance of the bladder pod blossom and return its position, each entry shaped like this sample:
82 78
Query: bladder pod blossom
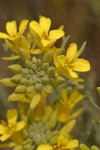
45 89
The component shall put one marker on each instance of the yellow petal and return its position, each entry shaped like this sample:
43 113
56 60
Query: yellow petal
36 27
71 51
2 129
68 127
39 110
81 65
12 116
4 137
64 95
72 73
75 114
75 97
66 73
11 28
36 51
45 23
55 34
35 100
23 26
5 36
45 147
20 125
72 144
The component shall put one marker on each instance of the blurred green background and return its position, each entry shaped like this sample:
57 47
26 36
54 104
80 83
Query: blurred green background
81 20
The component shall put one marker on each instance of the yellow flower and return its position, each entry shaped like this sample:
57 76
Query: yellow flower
68 65
11 28
66 105
64 140
42 34
13 126
13 37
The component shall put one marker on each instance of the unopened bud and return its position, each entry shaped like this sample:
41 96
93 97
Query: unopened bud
16 78
28 64
45 79
20 89
7 82
24 54
47 57
38 86
15 68
30 89
38 63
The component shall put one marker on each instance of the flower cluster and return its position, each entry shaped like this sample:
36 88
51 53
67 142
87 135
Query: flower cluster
46 87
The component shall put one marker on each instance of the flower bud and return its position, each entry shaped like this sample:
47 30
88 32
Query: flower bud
38 86
28 147
19 147
16 78
28 64
16 97
45 66
47 88
7 82
47 57
20 89
24 54
45 79
59 80
30 89
23 81
51 70
38 63
15 68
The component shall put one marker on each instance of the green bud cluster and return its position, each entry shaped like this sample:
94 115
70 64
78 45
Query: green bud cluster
35 75
41 132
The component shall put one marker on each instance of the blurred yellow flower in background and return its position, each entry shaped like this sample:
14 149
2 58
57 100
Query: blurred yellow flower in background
64 140
66 104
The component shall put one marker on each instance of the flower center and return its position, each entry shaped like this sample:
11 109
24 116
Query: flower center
45 36
59 147
11 128
68 65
